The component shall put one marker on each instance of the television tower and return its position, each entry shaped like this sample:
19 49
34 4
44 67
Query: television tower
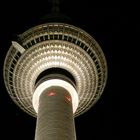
55 72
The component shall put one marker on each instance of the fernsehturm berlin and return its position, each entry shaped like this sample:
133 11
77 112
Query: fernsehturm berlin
55 71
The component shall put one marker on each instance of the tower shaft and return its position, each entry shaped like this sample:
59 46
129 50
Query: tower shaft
55 116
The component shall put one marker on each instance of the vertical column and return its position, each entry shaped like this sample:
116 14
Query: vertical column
55 116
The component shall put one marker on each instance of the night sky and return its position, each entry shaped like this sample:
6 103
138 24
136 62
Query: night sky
106 25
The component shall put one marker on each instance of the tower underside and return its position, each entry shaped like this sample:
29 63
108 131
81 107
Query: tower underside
55 45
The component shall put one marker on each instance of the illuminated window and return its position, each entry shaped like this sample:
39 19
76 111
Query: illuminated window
29 45
70 39
55 37
51 37
46 37
37 40
41 38
65 37
33 42
60 37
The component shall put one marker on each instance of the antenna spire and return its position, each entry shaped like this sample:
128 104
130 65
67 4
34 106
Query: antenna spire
55 6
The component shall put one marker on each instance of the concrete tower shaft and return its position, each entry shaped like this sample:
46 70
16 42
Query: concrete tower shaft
55 115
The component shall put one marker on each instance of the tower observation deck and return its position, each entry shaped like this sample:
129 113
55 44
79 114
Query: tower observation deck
56 72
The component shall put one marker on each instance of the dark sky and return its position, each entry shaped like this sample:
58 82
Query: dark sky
106 25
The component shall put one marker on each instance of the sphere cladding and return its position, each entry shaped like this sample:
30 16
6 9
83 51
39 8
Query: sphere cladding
55 45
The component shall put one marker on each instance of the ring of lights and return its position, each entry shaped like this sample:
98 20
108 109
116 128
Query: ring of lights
56 54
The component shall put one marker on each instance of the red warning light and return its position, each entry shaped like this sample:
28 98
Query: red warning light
51 94
68 98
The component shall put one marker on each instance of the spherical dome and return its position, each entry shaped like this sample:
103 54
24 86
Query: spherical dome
55 45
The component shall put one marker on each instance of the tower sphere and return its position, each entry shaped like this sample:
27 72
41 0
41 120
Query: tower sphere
52 46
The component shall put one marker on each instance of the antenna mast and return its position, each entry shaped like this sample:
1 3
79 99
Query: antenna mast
55 6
